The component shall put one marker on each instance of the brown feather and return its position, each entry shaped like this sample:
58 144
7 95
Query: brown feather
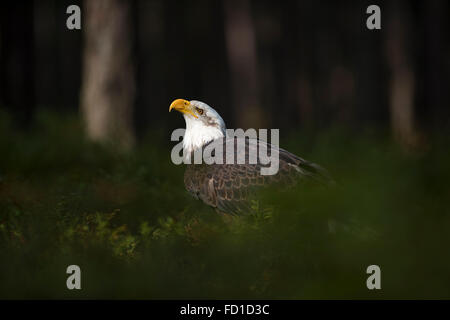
227 187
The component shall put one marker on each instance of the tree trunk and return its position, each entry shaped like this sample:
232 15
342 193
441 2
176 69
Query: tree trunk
108 84
242 59
402 79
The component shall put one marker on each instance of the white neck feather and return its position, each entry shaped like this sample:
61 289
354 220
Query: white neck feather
198 134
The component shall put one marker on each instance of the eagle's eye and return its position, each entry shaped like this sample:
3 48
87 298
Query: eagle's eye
200 111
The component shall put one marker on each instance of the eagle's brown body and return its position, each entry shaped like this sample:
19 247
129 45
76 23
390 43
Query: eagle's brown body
228 187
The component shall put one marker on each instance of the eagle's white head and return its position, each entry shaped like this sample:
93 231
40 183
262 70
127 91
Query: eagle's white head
203 123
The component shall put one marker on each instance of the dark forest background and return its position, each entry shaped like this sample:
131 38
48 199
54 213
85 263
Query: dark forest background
290 64
370 106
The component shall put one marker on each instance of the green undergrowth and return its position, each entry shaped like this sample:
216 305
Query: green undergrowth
135 232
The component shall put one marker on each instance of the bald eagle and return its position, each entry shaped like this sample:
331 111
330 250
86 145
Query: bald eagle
228 187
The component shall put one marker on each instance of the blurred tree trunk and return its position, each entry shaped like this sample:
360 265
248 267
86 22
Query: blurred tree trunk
402 79
108 84
297 87
242 59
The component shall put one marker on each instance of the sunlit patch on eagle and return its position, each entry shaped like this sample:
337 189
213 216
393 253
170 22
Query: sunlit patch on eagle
228 187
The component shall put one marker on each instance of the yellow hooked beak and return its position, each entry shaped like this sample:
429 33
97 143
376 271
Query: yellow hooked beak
183 106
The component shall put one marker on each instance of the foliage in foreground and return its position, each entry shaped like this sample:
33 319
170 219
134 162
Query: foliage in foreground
127 221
